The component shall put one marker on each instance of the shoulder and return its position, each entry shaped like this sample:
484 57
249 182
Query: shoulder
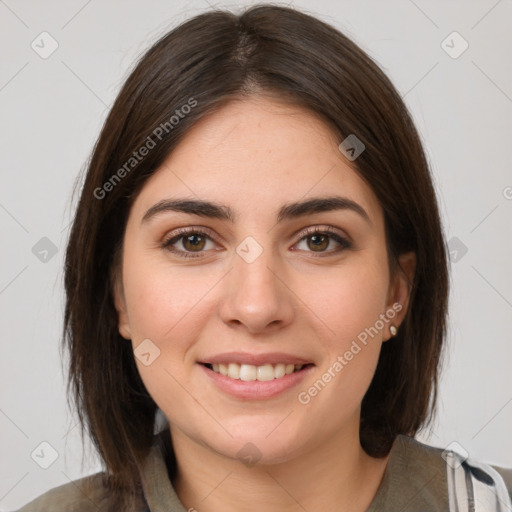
428 463
417 476
88 494
94 493
506 474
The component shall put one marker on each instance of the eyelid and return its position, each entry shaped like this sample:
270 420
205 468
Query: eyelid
319 228
190 229
337 235
300 233
343 240
179 233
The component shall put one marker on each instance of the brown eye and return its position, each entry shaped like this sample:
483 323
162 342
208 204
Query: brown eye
188 244
194 242
320 242
317 241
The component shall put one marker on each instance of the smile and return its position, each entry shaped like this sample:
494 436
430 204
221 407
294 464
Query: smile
249 372
255 382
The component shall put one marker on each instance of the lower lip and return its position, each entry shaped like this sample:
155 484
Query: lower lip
255 389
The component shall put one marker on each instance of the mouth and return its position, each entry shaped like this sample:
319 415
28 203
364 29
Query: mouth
262 373
255 377
249 376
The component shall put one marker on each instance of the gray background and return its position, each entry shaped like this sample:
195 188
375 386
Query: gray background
52 110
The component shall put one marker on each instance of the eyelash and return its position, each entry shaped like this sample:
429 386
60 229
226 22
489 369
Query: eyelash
167 244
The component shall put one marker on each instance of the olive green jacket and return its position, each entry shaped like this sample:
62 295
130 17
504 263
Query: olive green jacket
415 480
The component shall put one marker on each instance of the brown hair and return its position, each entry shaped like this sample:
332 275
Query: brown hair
203 63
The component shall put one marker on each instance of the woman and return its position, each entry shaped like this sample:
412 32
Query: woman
257 253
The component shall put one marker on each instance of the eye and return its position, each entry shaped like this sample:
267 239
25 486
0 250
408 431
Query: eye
318 239
191 241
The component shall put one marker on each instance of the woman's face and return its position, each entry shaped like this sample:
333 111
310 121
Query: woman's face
255 291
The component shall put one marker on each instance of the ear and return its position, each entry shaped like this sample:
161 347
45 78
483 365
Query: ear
400 290
120 305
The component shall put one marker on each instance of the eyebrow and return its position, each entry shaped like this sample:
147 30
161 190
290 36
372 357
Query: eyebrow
288 211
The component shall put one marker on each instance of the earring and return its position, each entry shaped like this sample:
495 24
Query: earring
393 330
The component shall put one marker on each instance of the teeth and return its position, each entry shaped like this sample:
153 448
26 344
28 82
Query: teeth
265 372
279 371
234 370
249 372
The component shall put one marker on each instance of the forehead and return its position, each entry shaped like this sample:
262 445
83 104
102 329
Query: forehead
257 154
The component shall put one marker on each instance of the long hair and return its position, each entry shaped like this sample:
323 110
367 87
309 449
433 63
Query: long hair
202 64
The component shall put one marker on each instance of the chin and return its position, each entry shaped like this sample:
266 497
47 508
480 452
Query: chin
260 442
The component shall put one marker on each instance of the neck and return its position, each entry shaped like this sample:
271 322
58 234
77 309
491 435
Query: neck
337 475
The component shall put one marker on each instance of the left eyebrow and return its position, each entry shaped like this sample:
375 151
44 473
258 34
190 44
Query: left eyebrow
288 211
318 205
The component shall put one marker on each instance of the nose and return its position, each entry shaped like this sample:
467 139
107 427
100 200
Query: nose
256 296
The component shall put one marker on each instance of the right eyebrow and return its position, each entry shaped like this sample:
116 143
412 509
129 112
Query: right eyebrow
193 206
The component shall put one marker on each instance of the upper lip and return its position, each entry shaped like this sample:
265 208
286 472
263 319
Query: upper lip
254 359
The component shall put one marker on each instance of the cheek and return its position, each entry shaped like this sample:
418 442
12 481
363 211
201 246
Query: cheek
162 300
349 301
170 309
349 305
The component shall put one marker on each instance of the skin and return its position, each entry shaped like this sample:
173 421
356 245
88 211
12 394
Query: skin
254 156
